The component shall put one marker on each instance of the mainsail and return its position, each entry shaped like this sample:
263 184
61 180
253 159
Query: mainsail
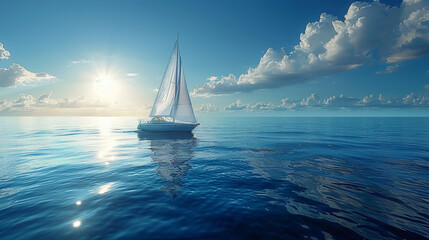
173 98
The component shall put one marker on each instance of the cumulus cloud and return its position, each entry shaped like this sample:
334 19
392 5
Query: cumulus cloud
24 102
237 106
328 46
4 54
45 99
341 101
18 75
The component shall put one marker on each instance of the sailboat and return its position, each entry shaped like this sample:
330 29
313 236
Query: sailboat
172 110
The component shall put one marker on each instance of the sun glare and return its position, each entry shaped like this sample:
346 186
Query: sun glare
105 86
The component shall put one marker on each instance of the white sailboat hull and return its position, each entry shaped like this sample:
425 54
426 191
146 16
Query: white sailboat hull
167 127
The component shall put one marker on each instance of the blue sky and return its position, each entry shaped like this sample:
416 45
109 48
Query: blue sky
66 48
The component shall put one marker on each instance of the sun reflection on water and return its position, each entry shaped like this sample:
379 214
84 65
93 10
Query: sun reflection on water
106 148
105 188
77 223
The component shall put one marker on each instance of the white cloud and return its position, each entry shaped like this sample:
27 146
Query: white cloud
225 84
413 100
24 102
208 107
155 90
132 74
341 101
312 100
389 69
46 105
45 99
237 106
262 106
18 75
4 54
3 104
27 102
81 61
81 102
328 46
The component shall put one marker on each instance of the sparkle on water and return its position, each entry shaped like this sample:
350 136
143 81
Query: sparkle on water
77 223
105 188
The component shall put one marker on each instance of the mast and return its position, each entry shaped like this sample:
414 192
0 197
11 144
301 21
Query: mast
177 82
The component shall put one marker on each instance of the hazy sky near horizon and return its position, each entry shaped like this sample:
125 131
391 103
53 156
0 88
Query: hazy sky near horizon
284 57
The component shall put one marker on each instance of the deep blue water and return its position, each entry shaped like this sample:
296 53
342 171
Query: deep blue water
234 178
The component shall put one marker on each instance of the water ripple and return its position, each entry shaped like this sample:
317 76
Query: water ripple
98 178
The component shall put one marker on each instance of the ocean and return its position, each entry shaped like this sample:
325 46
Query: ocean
233 178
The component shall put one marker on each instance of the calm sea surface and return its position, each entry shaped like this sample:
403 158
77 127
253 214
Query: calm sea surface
234 178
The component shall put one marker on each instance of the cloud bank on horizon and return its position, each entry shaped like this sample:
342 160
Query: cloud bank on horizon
45 103
27 103
334 102
328 46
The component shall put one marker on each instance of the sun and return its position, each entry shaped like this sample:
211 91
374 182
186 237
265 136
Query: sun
104 82
105 86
